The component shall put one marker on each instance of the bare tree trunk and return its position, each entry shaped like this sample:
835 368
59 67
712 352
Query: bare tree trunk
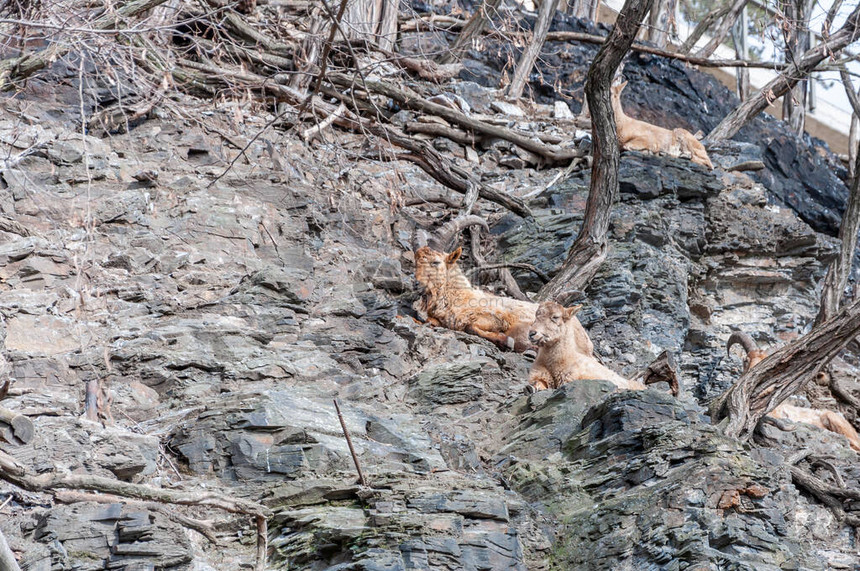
796 35
702 27
854 130
7 558
589 249
585 9
778 86
784 373
473 28
371 20
659 22
723 28
739 38
374 21
840 268
853 143
530 54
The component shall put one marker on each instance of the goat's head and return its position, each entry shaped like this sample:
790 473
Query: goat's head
434 270
550 323
753 356
615 91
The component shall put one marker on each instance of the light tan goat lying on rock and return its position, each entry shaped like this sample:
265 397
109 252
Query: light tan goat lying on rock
449 300
565 353
826 419
636 135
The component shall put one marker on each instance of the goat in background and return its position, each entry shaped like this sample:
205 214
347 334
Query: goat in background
636 135
826 419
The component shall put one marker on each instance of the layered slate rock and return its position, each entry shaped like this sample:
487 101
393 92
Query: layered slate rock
439 521
640 480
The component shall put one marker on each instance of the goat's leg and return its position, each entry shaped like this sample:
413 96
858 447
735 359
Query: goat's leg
835 422
540 379
499 339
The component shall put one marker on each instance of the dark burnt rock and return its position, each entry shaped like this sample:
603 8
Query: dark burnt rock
672 94
648 176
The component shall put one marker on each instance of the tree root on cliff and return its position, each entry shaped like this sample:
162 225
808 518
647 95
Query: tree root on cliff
15 473
834 497
204 527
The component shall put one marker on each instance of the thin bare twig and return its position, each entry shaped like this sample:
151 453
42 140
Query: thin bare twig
349 444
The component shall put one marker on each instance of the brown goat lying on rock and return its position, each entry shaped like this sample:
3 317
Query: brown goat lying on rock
826 419
449 300
565 353
636 135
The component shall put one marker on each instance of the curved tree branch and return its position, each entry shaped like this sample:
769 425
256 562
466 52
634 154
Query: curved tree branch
780 85
783 373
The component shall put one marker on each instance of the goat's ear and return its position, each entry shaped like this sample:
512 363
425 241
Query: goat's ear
621 86
454 256
699 135
571 311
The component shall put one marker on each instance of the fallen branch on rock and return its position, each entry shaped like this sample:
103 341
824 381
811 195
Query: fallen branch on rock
411 100
437 166
7 558
843 394
517 266
831 496
311 132
15 428
438 130
15 473
346 435
204 527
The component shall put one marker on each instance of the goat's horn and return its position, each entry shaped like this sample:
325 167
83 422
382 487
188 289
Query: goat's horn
419 239
745 341
445 236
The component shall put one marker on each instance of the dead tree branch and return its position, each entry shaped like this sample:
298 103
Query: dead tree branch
203 527
723 28
411 100
781 84
18 68
7 558
702 27
831 496
15 428
843 394
15 473
348 438
533 48
839 269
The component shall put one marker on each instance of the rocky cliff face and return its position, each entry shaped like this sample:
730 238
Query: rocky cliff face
222 315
